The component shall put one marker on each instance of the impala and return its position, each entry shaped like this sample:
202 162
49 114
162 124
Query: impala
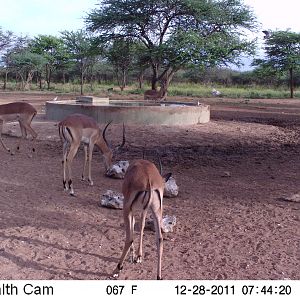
142 188
156 95
21 112
78 128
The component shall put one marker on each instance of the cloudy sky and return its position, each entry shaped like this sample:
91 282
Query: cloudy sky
273 14
33 17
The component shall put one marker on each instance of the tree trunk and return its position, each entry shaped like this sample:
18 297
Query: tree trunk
165 79
64 77
81 84
40 81
5 80
28 80
119 78
81 78
141 79
291 82
123 81
154 76
99 79
49 77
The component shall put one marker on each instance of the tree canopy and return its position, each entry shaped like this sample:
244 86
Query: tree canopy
176 33
282 49
81 48
52 49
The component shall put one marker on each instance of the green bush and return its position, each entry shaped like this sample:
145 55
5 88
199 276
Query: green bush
175 89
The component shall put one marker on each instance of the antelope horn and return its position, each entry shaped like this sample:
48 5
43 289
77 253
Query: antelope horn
123 140
103 133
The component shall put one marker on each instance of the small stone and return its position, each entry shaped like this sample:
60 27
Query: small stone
168 223
226 174
292 198
171 188
118 170
112 199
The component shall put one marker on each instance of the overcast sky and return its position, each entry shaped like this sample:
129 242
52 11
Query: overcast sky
33 17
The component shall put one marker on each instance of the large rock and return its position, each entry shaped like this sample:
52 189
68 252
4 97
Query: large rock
292 198
168 223
112 199
171 188
118 170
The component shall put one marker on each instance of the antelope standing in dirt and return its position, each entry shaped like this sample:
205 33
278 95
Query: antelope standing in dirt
78 128
153 95
21 112
143 188
156 95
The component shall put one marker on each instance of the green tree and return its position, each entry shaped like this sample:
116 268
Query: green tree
16 44
177 33
82 49
121 55
282 49
6 39
26 63
52 49
9 44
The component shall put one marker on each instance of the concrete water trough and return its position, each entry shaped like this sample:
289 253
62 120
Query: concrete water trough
142 112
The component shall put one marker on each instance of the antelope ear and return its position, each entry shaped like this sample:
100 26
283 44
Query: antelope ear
167 176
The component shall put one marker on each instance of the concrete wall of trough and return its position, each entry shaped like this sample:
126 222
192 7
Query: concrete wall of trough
169 114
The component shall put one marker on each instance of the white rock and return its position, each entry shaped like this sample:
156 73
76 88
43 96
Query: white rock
292 198
171 188
168 223
112 199
118 170
215 92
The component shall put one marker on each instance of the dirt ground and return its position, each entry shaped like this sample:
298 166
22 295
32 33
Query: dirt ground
232 222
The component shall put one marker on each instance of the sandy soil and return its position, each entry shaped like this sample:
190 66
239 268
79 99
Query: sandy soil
231 221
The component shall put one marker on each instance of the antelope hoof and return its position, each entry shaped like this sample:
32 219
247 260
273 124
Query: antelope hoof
72 194
114 276
132 259
91 182
138 259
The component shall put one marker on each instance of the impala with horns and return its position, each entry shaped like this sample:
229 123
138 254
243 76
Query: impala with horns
78 128
21 112
143 188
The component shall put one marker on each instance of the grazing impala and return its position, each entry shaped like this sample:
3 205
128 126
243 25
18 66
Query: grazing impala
78 128
155 95
143 188
21 112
